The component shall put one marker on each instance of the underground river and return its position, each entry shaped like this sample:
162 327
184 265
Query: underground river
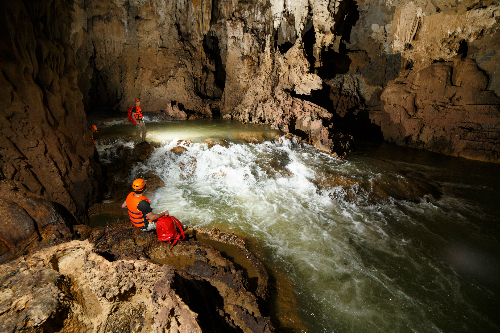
388 240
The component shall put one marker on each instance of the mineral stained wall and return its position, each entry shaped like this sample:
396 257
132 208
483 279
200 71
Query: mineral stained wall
270 61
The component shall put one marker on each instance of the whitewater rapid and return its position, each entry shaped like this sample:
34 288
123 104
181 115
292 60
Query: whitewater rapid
342 260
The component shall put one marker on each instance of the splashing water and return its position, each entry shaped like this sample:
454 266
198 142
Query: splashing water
426 265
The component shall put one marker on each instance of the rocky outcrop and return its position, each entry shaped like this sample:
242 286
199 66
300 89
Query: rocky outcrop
70 287
126 280
29 222
45 143
444 108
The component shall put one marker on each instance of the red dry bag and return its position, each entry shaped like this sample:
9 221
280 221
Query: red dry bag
130 117
166 230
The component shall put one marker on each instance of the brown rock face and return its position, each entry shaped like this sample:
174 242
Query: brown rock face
226 299
444 108
29 222
71 288
276 63
45 143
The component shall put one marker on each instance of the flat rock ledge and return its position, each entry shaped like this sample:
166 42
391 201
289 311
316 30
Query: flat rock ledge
120 279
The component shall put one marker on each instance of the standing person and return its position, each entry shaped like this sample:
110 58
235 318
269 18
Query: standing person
93 128
139 210
140 126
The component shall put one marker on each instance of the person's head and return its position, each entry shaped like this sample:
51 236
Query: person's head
94 128
139 185
137 101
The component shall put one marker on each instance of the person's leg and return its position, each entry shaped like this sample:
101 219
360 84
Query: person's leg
141 136
138 132
144 131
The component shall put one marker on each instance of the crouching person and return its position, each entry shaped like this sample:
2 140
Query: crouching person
140 212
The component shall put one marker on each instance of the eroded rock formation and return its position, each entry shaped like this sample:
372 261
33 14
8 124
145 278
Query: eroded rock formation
275 62
71 287
45 142
29 222
444 108
304 67
126 280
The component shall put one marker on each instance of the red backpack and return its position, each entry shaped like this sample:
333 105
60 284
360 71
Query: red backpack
132 120
166 230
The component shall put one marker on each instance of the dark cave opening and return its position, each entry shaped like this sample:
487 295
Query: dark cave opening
309 39
355 122
204 299
213 52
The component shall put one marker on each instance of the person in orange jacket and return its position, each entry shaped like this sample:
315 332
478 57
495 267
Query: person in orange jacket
140 126
93 128
139 208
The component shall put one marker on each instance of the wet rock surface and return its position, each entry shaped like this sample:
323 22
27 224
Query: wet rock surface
398 184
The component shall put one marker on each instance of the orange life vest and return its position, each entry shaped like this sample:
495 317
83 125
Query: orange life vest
136 216
138 112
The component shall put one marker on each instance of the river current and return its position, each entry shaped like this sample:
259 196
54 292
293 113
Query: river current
346 254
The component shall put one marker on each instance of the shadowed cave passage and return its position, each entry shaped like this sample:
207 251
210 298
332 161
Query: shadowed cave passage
205 300
355 122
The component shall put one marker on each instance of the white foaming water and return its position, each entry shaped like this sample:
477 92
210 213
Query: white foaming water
385 267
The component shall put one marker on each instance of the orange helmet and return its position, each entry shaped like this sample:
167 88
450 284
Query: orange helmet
94 128
139 184
137 100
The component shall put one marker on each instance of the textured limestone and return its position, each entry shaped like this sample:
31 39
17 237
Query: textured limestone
71 288
207 282
45 142
423 34
128 50
444 108
29 222
238 58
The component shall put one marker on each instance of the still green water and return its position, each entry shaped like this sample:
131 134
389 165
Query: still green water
347 263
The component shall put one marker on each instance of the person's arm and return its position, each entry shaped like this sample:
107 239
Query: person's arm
146 209
153 217
124 204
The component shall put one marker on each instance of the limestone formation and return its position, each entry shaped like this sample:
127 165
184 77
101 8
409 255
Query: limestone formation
45 142
236 59
444 108
29 222
70 287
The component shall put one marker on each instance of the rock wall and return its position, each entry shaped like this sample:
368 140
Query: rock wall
71 288
152 50
444 108
45 141
252 60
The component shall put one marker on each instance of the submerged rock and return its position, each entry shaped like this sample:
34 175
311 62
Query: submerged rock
383 188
